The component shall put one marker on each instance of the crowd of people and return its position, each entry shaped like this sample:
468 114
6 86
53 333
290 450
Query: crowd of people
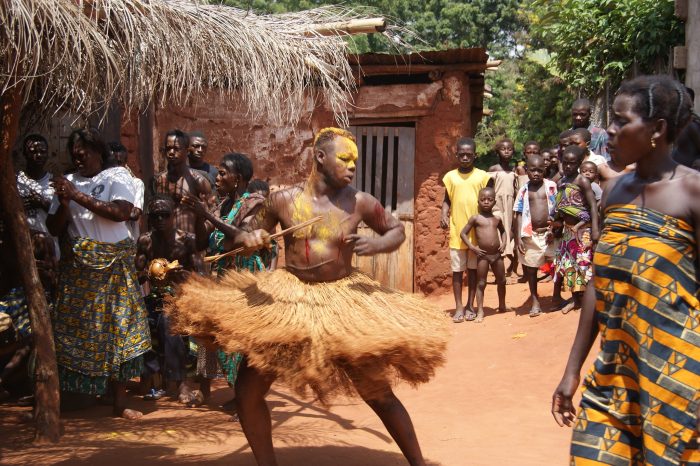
608 215
540 213
94 261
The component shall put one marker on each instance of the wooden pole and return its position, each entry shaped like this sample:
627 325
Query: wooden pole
46 393
351 27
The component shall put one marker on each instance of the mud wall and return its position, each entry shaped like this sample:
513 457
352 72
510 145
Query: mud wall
435 137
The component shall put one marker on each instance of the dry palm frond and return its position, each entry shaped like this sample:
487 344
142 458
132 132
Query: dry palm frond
80 55
332 337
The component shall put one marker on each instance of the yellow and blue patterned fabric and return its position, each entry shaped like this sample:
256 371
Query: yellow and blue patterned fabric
640 399
14 303
100 322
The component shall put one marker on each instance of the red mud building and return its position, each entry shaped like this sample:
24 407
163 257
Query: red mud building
406 113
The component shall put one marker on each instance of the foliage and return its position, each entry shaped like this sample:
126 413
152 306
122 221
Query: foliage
528 103
605 41
440 24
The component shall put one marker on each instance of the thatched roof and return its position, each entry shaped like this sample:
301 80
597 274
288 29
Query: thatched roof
77 55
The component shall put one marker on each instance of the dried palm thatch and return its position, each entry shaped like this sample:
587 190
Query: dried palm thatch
80 55
333 337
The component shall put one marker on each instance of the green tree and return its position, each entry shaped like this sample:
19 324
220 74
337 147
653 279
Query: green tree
601 42
529 103
438 24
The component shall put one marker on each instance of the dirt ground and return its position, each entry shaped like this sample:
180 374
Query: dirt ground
488 406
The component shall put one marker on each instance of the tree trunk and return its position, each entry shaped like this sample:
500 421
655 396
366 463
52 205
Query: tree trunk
47 409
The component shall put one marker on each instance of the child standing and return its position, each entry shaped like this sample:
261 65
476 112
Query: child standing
490 243
505 184
534 210
462 186
578 215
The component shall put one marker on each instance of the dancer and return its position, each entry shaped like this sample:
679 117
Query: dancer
319 323
640 399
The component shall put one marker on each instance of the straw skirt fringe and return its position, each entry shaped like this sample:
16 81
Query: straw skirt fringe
332 337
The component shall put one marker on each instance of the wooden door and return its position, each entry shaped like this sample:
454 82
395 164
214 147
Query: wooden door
385 170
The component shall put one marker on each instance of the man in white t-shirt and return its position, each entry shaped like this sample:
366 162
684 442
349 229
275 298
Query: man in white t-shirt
118 157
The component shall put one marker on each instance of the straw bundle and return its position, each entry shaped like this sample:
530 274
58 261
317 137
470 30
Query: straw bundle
80 55
331 337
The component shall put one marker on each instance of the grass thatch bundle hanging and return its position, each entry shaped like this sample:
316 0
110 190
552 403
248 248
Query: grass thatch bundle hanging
79 55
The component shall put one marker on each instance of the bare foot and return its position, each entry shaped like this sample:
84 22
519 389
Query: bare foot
458 316
196 399
479 316
131 414
558 304
570 306
469 315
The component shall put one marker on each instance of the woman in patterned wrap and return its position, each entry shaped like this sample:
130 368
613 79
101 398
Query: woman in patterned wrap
100 325
640 399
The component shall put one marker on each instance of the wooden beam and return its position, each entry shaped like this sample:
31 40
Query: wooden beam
351 27
408 68
46 393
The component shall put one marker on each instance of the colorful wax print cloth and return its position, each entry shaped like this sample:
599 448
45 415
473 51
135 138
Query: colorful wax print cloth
100 322
640 398
260 261
573 259
570 201
522 205
14 304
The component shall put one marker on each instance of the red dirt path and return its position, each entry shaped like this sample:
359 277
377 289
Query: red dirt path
488 406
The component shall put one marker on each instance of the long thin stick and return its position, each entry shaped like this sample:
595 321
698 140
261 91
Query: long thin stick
291 229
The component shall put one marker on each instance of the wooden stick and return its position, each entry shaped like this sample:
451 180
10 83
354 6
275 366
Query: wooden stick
46 413
291 229
354 26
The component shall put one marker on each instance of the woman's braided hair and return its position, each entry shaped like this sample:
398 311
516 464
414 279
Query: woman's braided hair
660 97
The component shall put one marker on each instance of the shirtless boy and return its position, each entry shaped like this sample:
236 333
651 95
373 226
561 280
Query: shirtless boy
167 242
534 210
178 181
490 244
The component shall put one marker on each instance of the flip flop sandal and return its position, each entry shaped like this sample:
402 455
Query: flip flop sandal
470 316
458 317
535 313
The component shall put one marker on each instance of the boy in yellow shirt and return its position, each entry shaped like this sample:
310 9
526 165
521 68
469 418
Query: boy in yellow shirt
462 186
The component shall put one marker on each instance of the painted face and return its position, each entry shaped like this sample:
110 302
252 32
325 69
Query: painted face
226 181
466 156
580 117
505 151
36 153
589 170
197 150
161 216
629 135
342 157
570 164
86 161
531 149
487 199
175 152
535 170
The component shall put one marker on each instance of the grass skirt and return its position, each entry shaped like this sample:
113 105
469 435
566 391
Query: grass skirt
332 337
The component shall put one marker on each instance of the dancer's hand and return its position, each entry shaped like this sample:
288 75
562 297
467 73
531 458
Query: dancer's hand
253 241
562 405
364 245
